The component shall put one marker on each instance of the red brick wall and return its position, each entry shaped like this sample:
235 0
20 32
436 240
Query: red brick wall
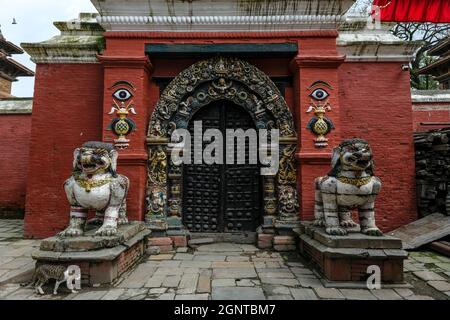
376 105
15 130
67 111
430 112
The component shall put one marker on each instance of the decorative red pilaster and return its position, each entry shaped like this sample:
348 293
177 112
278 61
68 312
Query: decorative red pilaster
135 70
317 60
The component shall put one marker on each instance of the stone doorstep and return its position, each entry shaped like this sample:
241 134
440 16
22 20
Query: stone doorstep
89 242
352 240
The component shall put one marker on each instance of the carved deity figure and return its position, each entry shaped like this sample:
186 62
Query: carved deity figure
350 185
287 173
95 185
158 166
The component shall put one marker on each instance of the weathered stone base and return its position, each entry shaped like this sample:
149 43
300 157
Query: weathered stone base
100 261
346 258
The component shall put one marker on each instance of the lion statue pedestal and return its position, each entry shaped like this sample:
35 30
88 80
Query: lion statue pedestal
340 248
108 245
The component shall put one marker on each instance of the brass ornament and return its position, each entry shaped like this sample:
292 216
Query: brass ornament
89 184
358 182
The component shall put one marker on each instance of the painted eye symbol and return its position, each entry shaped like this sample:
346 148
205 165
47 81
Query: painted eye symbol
319 94
123 94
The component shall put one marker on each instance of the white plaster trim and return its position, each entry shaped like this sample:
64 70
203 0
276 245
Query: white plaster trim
431 96
218 23
375 46
16 106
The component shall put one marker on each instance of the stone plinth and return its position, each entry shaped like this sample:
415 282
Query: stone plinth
346 258
102 259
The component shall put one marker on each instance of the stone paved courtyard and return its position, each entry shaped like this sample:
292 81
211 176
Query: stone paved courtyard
221 271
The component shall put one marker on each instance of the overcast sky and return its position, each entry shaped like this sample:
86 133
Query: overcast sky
35 23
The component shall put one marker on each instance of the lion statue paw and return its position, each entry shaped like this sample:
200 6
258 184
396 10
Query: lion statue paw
375 232
348 224
319 222
71 232
122 221
106 231
336 231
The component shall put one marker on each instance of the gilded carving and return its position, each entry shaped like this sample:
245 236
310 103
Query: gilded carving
287 173
158 166
157 201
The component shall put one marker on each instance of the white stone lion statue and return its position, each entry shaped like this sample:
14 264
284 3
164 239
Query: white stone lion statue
349 185
95 185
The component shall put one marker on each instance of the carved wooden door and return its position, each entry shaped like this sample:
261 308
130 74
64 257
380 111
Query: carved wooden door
221 197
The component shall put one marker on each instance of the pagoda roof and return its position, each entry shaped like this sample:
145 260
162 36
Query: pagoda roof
441 48
11 69
8 47
432 68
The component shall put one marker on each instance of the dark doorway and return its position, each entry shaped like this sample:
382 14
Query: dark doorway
222 198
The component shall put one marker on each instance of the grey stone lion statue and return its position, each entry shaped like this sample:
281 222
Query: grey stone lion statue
95 185
350 184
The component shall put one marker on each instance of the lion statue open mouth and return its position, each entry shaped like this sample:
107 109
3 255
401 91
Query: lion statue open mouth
95 185
350 185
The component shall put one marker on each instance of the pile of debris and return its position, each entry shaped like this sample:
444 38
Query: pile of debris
433 171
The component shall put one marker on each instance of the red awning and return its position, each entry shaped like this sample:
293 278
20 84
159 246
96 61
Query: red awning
437 11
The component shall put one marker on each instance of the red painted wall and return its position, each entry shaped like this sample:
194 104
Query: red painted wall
376 105
430 112
67 111
15 129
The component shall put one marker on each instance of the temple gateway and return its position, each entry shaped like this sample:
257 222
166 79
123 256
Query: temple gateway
136 71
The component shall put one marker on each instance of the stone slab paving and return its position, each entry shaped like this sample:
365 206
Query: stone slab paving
15 252
226 271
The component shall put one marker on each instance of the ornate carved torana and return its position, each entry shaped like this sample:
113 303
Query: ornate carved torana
204 82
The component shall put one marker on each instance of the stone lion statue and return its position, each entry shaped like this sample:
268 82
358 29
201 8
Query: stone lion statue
95 185
350 184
